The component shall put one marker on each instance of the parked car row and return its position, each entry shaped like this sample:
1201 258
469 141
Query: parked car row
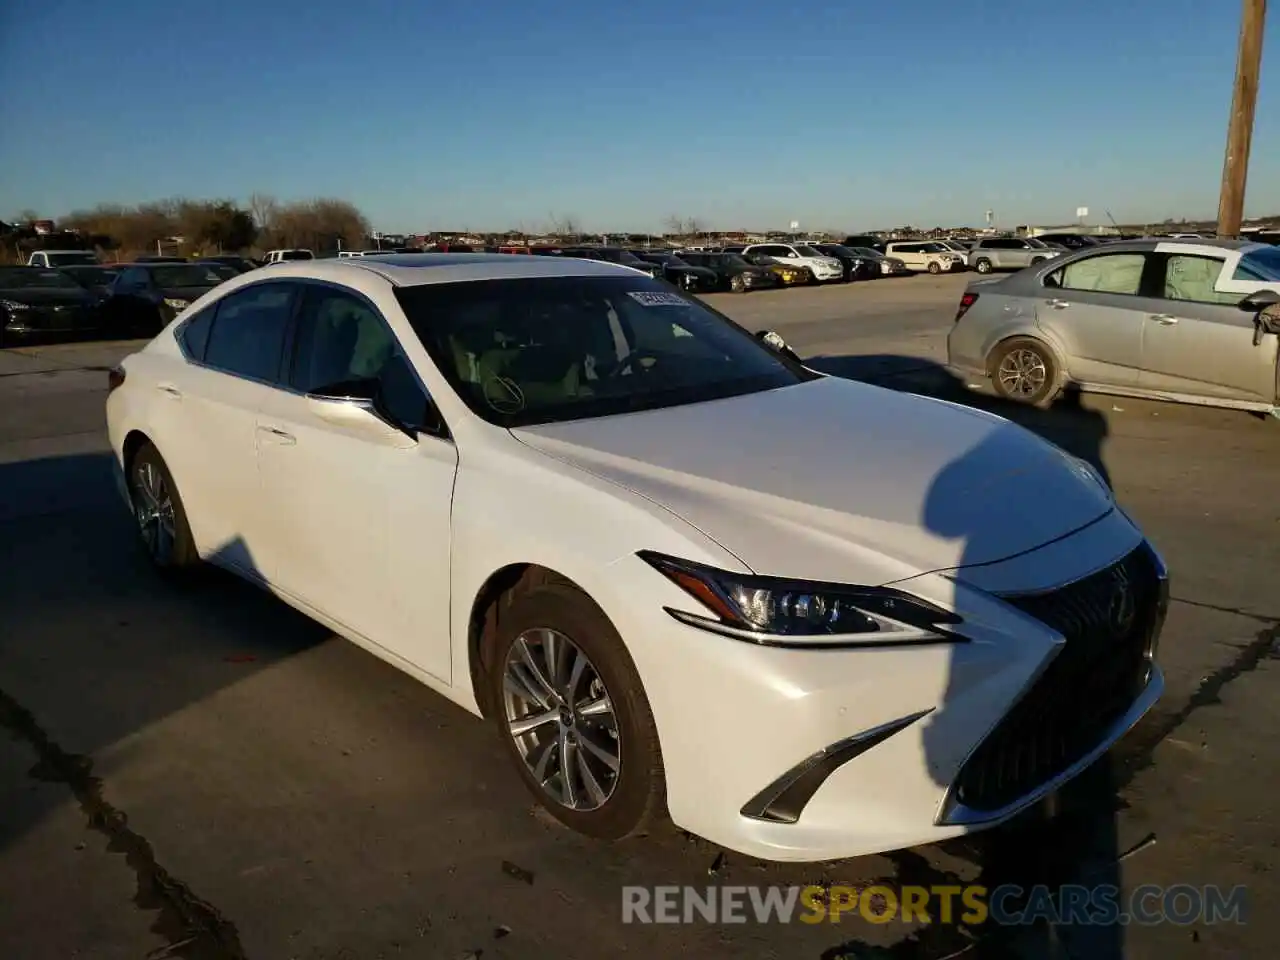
119 300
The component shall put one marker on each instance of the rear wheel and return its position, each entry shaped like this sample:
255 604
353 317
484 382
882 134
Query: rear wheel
982 265
571 709
1023 369
158 511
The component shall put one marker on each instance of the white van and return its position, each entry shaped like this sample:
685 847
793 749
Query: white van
280 256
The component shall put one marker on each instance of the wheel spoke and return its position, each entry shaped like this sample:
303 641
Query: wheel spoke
519 683
575 675
540 771
543 685
594 790
604 756
567 751
532 722
596 708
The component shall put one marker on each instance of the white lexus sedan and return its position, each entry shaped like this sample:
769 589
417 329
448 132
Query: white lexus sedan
683 575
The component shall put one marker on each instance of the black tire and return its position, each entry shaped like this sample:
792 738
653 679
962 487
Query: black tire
1034 393
738 283
935 268
982 265
1035 260
179 552
637 797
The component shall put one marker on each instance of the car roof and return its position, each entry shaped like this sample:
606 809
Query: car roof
416 269
1147 244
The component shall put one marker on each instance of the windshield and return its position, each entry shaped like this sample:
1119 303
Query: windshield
100 275
1261 264
734 260
184 275
806 251
550 349
62 259
23 278
1038 244
868 252
935 248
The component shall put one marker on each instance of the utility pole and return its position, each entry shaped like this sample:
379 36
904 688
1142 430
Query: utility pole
1235 167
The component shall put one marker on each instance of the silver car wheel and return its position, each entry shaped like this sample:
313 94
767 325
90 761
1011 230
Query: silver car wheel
153 510
1022 373
561 719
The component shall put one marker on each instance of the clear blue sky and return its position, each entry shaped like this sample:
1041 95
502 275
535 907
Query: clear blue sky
482 115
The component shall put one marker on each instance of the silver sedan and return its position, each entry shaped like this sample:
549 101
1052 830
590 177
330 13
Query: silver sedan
1191 321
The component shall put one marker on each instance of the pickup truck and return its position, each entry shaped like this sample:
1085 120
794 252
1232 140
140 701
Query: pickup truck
62 258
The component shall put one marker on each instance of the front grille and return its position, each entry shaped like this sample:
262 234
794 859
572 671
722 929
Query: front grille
1109 621
55 318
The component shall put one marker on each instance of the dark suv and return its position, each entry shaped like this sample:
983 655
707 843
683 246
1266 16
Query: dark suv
676 270
732 271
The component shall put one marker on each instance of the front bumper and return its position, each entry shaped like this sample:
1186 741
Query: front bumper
741 724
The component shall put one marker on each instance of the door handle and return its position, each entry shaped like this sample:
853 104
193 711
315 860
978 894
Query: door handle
1059 304
279 436
1163 319
169 390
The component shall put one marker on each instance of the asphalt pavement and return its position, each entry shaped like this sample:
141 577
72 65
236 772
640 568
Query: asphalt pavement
195 770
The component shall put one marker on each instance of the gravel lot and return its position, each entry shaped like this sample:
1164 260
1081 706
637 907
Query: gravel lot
201 768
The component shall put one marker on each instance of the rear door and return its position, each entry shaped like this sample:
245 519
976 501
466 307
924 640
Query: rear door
204 417
1199 342
1095 309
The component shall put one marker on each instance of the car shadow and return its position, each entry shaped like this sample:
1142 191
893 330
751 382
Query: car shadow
1070 839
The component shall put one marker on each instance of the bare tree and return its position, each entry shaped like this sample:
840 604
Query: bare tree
563 226
264 209
684 226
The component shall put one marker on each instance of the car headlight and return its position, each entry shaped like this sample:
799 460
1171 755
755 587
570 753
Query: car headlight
13 306
176 304
774 611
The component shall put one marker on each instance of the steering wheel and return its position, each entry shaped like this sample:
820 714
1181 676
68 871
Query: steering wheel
629 362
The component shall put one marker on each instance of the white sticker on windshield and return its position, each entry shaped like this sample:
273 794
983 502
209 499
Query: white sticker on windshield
651 298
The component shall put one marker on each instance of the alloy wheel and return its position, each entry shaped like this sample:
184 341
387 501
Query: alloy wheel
153 509
561 719
1022 373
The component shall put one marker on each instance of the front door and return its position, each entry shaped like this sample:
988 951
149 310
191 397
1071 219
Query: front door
1199 342
359 525
1094 308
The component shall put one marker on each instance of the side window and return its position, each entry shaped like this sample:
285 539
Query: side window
195 333
1188 277
247 338
340 337
1108 273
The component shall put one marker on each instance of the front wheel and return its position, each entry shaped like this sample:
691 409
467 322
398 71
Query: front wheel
1023 370
935 268
1035 260
983 265
738 284
571 709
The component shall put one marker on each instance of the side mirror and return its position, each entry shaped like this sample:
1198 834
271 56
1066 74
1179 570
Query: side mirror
1259 300
354 405
775 343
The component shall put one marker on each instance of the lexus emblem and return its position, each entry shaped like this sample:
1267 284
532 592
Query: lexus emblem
1122 608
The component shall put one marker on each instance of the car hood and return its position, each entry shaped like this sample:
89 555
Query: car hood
840 481
47 297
